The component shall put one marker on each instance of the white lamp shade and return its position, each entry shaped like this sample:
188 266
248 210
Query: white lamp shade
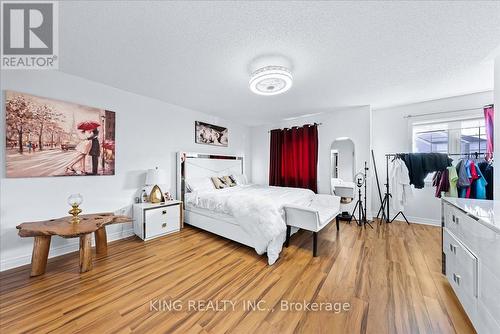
156 176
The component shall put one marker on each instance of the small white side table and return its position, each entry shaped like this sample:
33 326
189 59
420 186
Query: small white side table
155 220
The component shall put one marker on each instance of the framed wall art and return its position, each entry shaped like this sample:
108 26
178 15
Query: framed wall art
46 137
211 134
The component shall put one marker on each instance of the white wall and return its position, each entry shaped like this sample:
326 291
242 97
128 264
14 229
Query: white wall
352 122
496 170
391 134
148 133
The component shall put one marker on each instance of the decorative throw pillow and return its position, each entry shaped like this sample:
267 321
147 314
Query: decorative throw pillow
228 181
199 184
239 179
218 182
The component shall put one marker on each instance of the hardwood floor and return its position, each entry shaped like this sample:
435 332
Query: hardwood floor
390 276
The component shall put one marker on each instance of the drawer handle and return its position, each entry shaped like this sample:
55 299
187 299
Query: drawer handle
453 218
164 225
453 249
456 220
164 212
456 278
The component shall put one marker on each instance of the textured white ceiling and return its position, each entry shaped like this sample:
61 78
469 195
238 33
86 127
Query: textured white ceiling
197 54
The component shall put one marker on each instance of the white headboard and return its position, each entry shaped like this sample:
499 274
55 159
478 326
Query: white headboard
193 165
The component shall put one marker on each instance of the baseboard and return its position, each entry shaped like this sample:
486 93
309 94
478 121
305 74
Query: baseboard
72 246
424 221
419 220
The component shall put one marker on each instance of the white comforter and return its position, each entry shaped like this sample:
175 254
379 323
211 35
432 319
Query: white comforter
259 210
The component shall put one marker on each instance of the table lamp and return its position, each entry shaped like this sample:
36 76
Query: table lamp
153 178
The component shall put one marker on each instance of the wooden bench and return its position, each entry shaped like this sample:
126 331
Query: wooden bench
43 231
323 210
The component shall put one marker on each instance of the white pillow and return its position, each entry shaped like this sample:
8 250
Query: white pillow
200 184
239 179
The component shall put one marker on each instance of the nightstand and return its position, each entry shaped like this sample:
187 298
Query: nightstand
155 220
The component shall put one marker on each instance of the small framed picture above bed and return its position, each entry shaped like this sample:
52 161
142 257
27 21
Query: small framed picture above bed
210 134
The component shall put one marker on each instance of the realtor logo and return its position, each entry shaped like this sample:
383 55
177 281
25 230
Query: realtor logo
29 35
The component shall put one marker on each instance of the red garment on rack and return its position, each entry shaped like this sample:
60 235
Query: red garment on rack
474 177
441 180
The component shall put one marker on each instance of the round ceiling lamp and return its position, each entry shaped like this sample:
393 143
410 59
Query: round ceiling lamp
271 80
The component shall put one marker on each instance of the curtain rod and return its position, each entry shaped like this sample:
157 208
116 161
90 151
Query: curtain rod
318 124
448 154
447 112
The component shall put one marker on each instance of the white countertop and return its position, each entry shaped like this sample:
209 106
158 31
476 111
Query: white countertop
488 212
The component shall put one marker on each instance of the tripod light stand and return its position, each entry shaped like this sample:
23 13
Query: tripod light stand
360 179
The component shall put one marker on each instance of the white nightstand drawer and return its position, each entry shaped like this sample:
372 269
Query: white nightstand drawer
161 220
160 214
454 218
461 271
449 246
471 251
490 292
155 228
467 270
486 323
154 220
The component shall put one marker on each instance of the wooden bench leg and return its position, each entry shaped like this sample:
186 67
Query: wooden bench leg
40 254
315 244
288 232
101 241
85 252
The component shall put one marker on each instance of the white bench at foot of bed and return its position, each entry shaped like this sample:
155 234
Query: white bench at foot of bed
323 209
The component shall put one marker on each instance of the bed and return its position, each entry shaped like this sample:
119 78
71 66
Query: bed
250 214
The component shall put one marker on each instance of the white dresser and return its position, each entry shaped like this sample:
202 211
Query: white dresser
154 220
471 258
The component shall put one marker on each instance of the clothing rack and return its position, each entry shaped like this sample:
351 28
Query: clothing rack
385 205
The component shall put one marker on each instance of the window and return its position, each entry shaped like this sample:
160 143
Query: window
457 136
429 138
473 136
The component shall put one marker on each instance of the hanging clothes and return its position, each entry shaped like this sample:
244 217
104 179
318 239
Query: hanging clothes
463 181
421 164
486 169
473 176
472 182
453 178
441 181
436 178
400 181
478 188
463 178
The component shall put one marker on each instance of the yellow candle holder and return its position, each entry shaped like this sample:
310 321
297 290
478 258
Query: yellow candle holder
75 200
75 211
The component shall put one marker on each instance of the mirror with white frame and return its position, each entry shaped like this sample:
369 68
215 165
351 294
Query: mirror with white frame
342 168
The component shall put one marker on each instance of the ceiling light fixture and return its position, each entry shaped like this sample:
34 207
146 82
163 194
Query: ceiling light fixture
271 80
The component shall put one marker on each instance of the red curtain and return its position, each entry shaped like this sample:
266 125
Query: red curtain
294 157
488 117
275 157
